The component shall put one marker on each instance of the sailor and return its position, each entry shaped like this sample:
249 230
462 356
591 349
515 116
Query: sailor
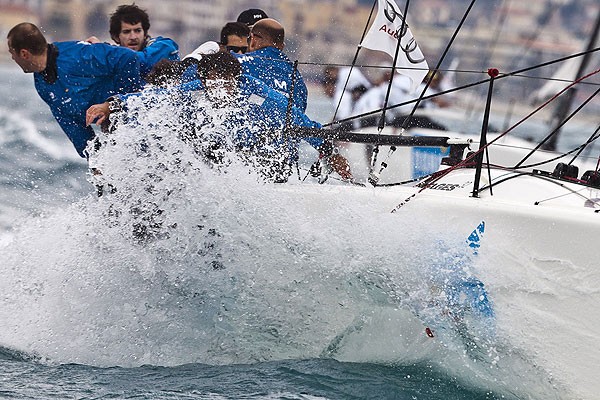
251 16
129 26
374 99
265 110
72 76
356 85
438 84
267 62
329 82
234 37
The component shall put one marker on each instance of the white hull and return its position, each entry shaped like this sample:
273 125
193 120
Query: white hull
546 290
414 162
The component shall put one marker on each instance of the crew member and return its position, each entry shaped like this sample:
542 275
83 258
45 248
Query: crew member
267 62
129 26
72 76
251 16
234 37
344 90
265 110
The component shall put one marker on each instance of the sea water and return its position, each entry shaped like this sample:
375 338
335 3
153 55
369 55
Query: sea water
233 288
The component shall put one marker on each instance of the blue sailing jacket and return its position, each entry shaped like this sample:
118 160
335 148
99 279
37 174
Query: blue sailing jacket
157 48
261 109
265 109
273 67
86 74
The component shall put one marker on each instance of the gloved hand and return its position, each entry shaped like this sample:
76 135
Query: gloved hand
204 48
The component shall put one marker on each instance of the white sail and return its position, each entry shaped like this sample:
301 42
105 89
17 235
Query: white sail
384 35
560 80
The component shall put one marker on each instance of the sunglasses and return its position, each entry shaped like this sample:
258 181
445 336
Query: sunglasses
237 49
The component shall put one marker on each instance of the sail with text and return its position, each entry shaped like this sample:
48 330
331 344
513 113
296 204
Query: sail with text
384 35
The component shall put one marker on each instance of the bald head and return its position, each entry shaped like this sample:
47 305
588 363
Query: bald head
267 33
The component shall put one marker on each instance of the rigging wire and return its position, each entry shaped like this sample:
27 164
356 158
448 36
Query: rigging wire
557 129
564 105
369 113
381 125
439 64
594 137
501 76
553 181
580 147
589 148
403 30
597 165
542 22
368 66
355 58
590 140
499 28
476 153
461 71
491 49
556 80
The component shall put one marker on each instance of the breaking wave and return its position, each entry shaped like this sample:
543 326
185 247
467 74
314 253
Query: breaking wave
183 261
37 171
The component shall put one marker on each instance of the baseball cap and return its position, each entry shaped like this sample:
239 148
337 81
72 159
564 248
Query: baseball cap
251 16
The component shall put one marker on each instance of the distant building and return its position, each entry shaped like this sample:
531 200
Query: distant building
506 35
325 31
13 12
197 21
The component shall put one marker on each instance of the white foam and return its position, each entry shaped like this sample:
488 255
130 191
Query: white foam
5 239
240 271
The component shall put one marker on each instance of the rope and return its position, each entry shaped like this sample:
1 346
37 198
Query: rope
476 153
590 140
557 129
501 76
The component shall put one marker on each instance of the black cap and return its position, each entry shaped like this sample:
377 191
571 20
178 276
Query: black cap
252 16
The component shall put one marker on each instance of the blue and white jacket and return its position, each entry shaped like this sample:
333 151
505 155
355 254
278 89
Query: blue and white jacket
273 67
262 109
81 75
157 48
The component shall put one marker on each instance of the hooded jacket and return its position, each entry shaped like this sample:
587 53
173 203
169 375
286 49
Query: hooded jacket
79 75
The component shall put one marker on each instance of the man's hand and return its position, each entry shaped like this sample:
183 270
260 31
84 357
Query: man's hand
99 111
93 39
340 165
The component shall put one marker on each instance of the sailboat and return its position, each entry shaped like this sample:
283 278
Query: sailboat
538 207
539 216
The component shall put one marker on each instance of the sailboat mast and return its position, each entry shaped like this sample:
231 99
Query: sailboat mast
337 108
565 104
